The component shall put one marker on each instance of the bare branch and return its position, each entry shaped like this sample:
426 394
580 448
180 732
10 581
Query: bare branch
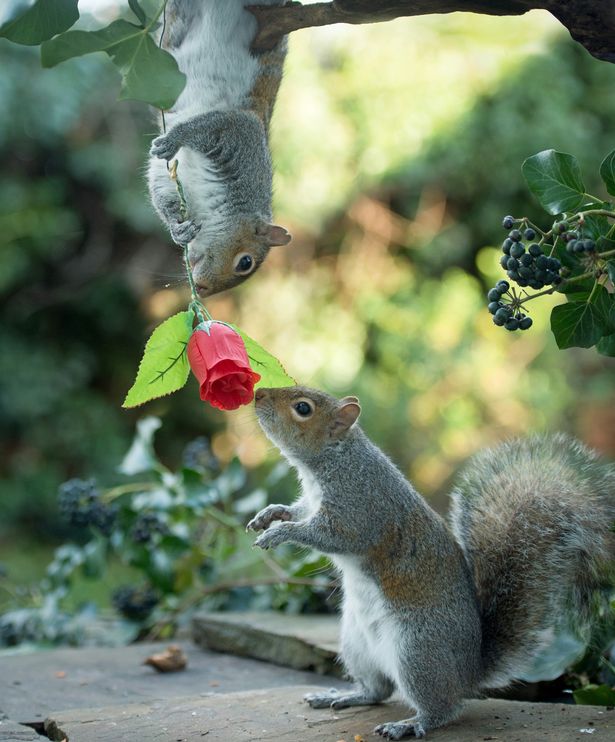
590 22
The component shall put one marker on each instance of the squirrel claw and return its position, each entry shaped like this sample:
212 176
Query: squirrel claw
163 147
184 232
399 730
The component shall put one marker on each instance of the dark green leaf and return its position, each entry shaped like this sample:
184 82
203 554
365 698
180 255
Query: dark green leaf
577 324
605 304
149 73
44 19
607 172
610 266
595 695
596 227
138 11
606 345
555 179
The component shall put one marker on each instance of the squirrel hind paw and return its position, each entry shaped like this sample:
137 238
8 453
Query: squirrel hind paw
163 147
400 729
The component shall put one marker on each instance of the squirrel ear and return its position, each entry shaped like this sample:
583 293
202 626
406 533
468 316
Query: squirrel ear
274 234
347 415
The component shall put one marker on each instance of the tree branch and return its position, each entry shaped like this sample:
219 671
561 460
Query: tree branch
590 22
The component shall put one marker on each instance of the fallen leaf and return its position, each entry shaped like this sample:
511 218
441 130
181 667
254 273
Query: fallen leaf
171 660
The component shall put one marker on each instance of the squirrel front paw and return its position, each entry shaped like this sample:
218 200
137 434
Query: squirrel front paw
274 536
184 232
267 516
165 147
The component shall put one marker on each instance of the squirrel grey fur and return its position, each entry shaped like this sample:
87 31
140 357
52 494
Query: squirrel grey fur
217 131
436 611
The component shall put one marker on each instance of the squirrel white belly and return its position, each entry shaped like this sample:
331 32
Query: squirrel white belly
439 612
218 132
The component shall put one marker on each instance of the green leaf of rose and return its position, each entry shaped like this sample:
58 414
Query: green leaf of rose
44 19
149 74
577 324
555 179
164 367
271 370
607 172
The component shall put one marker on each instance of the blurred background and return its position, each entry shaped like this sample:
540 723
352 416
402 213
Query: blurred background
397 150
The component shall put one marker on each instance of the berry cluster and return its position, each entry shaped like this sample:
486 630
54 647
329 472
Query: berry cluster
80 503
528 268
506 314
198 456
134 603
145 526
577 246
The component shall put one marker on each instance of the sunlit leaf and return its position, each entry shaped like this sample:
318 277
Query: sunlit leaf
555 179
272 373
164 367
44 19
140 456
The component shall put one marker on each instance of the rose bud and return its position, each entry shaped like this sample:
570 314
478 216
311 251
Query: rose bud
219 360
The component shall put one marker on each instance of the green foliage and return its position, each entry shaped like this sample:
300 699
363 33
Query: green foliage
164 367
582 239
149 73
555 179
183 533
44 19
595 695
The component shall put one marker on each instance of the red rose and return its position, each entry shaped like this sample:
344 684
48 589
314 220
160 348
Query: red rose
218 359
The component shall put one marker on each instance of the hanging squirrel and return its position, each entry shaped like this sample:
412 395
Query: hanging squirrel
440 611
218 132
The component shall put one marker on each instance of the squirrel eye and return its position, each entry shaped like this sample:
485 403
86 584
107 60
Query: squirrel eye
243 264
303 408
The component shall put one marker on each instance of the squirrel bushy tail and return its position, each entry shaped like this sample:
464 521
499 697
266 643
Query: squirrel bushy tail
534 518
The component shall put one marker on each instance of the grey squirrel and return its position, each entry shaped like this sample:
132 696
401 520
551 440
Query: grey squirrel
440 611
218 133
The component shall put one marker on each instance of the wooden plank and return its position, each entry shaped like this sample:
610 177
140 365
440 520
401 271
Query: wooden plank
31 685
279 714
303 642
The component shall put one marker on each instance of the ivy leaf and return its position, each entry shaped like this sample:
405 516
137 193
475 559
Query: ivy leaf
610 266
164 367
577 324
271 370
149 74
605 304
44 19
138 11
606 345
607 172
141 456
555 179
595 695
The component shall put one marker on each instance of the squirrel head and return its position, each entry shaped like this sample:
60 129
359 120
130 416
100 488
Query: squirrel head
224 260
303 422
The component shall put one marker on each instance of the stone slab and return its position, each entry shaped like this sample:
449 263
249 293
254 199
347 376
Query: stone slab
279 714
31 685
11 731
305 642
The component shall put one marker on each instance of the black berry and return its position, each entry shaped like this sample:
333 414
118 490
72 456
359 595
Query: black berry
507 222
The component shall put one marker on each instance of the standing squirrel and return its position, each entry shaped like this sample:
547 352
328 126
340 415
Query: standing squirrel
440 612
218 132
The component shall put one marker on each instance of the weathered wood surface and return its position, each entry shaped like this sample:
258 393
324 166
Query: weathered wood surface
11 731
280 715
590 22
302 642
34 684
